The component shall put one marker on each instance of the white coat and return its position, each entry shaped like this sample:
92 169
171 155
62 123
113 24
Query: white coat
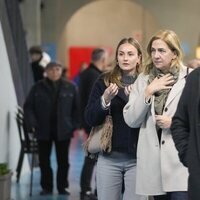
158 167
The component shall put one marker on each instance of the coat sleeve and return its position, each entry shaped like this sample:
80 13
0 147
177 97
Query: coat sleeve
136 109
94 112
180 127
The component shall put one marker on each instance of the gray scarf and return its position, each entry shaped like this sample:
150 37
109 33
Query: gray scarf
128 80
161 96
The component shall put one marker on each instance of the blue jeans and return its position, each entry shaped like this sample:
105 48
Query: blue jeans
112 171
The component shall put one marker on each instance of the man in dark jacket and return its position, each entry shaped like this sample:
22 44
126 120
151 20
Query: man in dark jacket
51 111
87 79
186 131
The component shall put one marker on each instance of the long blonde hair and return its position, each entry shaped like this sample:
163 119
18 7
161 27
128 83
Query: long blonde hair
114 76
172 40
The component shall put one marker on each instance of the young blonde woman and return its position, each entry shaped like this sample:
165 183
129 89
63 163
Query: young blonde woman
110 94
152 104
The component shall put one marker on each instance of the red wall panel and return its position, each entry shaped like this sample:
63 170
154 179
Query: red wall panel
78 55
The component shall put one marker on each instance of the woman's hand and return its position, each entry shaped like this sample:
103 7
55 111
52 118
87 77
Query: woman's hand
163 121
158 84
127 90
110 92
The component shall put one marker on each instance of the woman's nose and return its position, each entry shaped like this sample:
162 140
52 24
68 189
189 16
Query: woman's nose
156 54
125 57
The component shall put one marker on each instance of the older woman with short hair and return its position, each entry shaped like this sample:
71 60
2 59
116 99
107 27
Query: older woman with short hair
152 104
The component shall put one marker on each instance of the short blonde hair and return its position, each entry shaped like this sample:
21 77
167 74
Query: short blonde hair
172 40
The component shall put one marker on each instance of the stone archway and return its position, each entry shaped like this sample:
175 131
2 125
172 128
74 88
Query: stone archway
104 23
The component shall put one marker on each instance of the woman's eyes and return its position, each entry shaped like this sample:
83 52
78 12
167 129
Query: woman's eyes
129 54
159 50
162 51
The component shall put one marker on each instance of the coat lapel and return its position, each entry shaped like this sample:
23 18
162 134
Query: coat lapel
178 86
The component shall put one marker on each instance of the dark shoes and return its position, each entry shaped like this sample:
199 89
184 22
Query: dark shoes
61 192
64 191
88 196
46 192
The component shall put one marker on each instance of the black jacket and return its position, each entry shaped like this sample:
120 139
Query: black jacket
87 80
186 131
124 138
37 70
185 124
38 110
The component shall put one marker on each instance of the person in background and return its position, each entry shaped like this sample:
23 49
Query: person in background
51 110
87 78
194 63
76 79
65 73
186 132
151 106
36 55
110 95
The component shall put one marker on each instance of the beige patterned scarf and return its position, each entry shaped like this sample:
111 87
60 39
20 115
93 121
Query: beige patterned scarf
161 96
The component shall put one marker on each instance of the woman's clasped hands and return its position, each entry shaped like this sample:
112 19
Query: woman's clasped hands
110 92
161 83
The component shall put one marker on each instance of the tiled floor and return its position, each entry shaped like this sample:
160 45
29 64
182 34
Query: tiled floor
20 191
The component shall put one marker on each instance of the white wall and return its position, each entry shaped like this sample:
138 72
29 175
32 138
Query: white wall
9 137
31 18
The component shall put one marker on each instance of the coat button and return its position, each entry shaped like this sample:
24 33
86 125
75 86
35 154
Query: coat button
166 109
163 142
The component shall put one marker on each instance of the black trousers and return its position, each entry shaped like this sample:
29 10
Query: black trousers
194 186
86 174
62 151
162 197
178 195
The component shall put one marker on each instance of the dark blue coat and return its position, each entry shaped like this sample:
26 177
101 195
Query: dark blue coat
87 80
38 110
124 138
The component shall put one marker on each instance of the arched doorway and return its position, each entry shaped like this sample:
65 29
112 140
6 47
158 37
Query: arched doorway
103 23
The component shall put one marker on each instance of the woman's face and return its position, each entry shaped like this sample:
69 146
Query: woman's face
128 58
161 55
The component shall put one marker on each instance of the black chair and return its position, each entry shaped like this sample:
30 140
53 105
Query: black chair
29 146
